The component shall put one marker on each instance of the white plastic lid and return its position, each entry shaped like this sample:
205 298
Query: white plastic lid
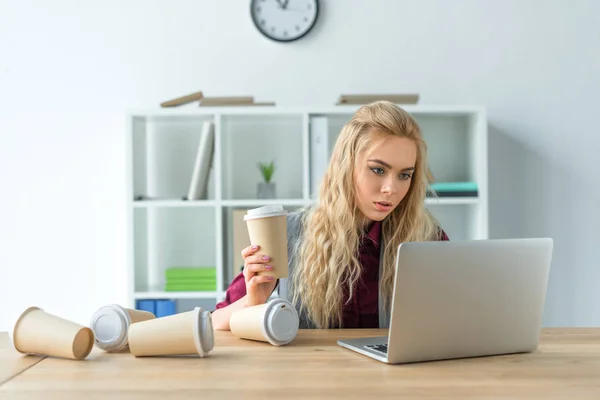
281 322
110 325
203 331
273 210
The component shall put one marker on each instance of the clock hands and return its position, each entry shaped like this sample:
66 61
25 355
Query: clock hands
283 3
296 18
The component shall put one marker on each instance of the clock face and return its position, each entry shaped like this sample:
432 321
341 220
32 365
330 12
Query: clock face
284 20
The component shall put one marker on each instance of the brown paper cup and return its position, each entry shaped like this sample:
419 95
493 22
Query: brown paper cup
38 332
110 325
267 227
184 333
275 322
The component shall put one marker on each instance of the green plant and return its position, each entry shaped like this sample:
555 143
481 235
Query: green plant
267 170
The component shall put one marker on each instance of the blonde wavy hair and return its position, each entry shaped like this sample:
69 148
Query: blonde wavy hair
327 255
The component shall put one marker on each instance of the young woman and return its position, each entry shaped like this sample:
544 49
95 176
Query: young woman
342 250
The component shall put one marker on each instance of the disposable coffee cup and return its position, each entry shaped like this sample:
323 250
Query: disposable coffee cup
275 322
110 325
178 334
267 227
38 332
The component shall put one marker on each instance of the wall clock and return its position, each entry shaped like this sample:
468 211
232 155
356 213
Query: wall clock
284 20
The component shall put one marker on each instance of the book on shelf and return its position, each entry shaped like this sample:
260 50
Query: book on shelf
262 103
160 307
164 308
226 101
198 188
190 279
215 101
191 286
454 189
409 98
183 100
456 194
246 101
320 150
146 305
190 272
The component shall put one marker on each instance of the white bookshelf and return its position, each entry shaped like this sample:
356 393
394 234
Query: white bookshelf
164 230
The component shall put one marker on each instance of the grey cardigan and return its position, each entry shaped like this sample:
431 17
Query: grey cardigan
294 238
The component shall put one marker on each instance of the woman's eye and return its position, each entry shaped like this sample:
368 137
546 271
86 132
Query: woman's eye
377 171
405 176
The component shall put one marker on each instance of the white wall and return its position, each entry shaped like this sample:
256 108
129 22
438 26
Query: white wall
69 69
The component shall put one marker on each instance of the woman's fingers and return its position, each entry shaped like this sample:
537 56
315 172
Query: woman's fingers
252 269
257 259
258 279
250 250
254 264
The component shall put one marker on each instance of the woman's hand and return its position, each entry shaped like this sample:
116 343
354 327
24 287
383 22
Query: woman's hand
258 287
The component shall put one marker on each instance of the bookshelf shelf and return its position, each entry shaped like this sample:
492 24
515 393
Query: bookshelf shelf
173 203
259 203
214 203
452 201
165 231
178 295
195 112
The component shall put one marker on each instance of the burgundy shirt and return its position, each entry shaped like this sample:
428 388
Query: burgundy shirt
363 309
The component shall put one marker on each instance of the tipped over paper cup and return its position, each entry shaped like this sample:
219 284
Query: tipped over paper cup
111 323
41 333
275 322
267 227
179 334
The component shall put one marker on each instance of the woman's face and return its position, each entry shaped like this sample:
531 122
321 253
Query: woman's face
382 177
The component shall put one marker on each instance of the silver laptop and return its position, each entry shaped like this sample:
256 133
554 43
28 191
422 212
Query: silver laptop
461 299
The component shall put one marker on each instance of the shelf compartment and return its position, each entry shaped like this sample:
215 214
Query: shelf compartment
454 147
169 237
451 147
460 221
164 152
247 140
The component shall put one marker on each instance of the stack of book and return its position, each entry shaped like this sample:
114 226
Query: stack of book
232 101
188 279
454 189
408 98
204 101
160 307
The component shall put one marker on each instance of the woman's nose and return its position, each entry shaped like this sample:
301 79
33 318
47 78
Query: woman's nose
388 188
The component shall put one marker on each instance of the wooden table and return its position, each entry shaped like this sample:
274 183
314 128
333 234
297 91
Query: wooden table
566 366
12 362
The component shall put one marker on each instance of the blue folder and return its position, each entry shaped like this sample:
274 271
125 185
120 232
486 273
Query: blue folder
146 305
165 308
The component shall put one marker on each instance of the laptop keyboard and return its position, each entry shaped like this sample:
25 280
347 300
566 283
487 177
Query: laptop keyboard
382 348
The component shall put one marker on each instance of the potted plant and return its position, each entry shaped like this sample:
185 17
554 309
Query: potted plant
266 189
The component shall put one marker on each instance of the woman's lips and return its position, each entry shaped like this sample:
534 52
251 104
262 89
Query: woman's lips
384 206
